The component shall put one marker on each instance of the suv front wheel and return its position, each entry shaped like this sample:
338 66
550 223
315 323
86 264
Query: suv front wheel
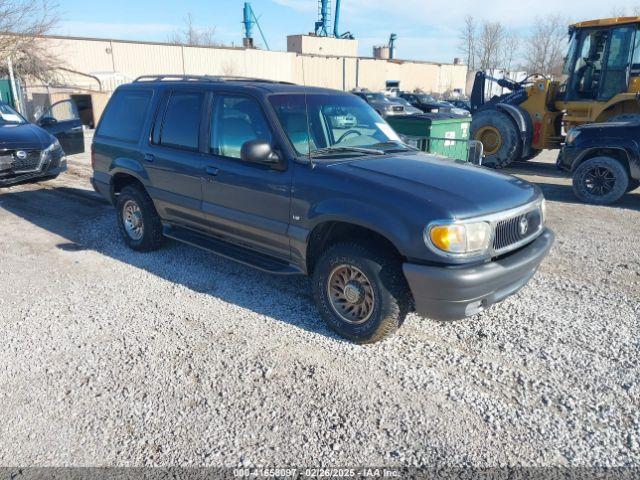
600 181
360 291
138 220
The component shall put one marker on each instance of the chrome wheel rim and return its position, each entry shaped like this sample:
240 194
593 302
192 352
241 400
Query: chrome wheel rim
132 220
351 294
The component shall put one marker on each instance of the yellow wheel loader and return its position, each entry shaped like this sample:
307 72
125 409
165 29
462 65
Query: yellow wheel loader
601 82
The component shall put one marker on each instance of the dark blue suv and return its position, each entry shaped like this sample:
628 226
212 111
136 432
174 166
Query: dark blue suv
294 180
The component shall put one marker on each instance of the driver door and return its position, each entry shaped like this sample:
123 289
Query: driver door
246 203
63 122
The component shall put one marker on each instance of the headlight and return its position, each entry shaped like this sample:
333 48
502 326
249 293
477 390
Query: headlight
572 136
53 147
460 239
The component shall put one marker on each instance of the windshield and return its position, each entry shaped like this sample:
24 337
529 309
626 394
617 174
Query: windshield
8 116
426 99
335 121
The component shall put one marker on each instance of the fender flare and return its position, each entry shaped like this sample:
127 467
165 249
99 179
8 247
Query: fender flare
129 167
373 218
630 151
524 123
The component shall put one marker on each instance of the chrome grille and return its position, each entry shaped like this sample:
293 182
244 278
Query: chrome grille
514 231
11 162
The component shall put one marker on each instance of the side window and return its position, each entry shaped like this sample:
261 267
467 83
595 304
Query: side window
124 117
181 125
237 120
616 69
635 64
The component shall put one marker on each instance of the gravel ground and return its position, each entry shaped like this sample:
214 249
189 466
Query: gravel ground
109 357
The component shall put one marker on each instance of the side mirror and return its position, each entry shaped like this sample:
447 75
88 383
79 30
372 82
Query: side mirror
258 151
47 121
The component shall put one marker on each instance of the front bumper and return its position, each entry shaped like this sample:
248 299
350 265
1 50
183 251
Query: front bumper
567 157
454 293
55 168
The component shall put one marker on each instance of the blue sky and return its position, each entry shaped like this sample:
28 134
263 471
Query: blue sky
427 30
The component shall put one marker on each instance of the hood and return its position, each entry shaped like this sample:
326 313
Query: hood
461 189
624 130
26 136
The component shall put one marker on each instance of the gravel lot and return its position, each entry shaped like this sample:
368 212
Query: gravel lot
109 357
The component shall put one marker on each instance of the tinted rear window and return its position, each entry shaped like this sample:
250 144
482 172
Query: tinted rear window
181 126
125 116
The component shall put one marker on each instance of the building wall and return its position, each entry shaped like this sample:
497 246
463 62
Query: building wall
328 46
115 62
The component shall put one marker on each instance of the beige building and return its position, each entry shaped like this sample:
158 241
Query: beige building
93 68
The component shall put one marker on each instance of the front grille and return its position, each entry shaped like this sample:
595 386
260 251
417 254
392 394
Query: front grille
398 109
11 162
516 230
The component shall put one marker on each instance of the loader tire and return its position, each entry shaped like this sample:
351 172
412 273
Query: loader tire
499 137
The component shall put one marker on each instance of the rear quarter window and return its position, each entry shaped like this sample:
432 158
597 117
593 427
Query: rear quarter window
125 115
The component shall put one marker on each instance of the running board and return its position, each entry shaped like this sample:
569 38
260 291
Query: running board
227 250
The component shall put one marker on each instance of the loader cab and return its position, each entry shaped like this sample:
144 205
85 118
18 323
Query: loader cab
602 61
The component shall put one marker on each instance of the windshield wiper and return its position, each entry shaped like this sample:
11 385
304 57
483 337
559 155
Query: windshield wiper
334 149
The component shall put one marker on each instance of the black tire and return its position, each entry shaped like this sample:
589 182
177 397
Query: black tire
589 191
633 184
507 148
151 236
392 298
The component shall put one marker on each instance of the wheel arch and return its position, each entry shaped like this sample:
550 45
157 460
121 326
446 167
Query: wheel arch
330 232
617 107
523 122
120 179
618 153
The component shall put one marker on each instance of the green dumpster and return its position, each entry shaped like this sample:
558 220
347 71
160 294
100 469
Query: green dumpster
442 134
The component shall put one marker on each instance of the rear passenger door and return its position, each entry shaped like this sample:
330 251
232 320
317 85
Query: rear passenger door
245 202
173 160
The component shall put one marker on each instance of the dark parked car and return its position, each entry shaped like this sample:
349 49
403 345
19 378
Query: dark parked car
29 151
425 103
461 104
235 167
604 160
381 103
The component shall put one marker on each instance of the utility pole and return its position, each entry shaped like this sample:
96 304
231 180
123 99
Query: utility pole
14 90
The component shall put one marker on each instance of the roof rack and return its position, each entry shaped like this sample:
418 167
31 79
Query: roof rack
203 78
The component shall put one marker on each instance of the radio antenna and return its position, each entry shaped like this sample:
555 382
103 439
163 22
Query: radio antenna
306 108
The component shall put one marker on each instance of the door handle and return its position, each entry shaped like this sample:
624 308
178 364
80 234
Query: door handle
213 171
149 158
77 129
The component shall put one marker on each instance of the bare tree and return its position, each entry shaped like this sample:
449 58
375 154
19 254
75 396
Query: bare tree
544 49
511 50
194 36
490 46
624 11
468 36
23 23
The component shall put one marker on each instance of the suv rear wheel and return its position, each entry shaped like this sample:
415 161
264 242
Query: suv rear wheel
600 181
360 291
138 220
